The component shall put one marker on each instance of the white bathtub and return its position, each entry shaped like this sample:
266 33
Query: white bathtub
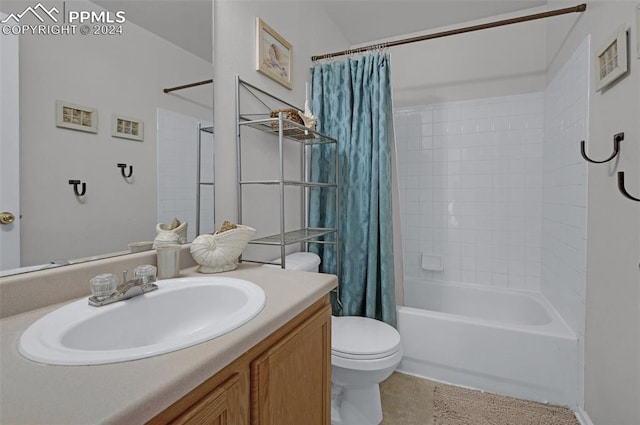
493 339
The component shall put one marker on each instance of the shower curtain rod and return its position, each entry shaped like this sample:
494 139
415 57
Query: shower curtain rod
186 86
575 9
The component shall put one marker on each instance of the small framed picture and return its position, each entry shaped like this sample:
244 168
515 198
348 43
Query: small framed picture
611 59
127 127
273 54
76 117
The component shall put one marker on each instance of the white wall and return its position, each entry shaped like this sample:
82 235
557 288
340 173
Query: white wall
612 336
310 31
496 62
471 189
122 74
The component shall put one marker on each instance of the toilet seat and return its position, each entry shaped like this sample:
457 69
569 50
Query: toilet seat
361 338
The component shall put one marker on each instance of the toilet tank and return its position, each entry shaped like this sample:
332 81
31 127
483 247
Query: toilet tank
303 261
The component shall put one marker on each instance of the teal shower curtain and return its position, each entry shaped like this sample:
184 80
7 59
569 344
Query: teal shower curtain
352 99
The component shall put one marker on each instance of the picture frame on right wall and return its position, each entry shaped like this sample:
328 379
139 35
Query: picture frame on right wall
612 61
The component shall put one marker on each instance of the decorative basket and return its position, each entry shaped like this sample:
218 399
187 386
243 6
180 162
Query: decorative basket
288 129
289 114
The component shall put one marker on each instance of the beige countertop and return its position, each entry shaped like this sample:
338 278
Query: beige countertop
135 391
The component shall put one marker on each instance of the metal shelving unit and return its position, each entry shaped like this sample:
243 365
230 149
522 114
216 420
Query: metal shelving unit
291 132
199 182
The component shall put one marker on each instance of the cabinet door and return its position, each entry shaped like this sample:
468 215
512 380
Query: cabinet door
222 406
291 381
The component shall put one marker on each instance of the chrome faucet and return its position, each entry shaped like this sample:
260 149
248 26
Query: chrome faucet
128 289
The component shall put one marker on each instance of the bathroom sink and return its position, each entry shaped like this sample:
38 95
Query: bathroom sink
181 313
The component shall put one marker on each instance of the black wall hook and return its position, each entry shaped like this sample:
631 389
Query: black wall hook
623 189
75 184
617 138
122 167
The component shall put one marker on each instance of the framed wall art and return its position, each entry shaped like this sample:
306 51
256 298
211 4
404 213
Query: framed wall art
612 59
273 54
127 127
76 117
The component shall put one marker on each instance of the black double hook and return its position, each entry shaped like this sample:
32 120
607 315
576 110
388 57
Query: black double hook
122 167
617 138
623 189
75 184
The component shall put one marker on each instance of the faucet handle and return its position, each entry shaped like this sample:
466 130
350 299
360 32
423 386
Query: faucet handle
103 285
124 277
146 272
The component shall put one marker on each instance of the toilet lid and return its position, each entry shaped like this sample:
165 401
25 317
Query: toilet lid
361 337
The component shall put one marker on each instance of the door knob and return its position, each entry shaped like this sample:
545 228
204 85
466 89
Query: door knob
6 217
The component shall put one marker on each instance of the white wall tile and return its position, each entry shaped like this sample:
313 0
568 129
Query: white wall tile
177 160
496 186
472 164
563 261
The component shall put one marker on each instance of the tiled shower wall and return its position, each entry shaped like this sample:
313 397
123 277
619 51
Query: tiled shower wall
177 166
497 189
470 177
565 190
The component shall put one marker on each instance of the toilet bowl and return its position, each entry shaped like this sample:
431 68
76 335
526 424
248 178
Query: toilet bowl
364 352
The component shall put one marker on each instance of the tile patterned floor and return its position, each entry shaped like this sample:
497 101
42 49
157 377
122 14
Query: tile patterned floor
407 400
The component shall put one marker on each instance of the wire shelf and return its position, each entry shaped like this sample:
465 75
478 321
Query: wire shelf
294 236
290 183
292 130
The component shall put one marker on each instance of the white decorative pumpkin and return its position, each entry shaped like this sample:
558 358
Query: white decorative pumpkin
219 252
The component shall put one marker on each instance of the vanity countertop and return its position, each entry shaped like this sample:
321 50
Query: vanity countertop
134 392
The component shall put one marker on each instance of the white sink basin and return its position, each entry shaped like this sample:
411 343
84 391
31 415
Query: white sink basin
181 313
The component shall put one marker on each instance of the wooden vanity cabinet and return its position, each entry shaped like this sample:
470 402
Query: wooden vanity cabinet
284 380
291 381
222 406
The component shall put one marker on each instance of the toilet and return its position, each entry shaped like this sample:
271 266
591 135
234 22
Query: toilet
364 352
